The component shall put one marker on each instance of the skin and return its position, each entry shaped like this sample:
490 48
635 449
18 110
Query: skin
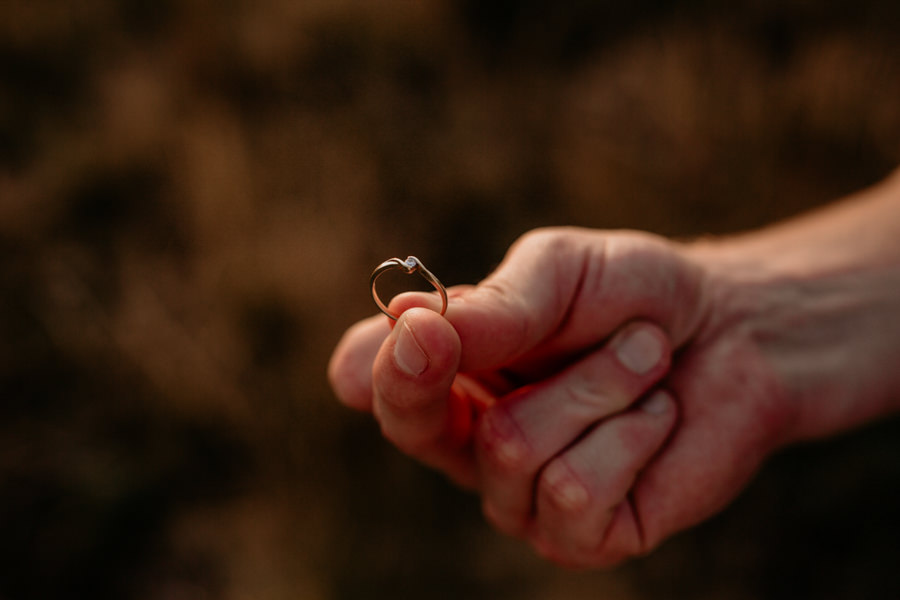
602 391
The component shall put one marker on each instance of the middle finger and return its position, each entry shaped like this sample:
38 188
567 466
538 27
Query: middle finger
518 435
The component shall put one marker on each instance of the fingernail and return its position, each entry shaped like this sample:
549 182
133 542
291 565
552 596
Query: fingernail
503 437
566 492
408 355
656 404
640 351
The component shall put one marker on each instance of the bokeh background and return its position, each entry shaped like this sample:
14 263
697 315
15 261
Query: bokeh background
193 195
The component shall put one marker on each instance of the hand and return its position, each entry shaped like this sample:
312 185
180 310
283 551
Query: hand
551 389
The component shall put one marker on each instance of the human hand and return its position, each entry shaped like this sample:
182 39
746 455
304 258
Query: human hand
592 391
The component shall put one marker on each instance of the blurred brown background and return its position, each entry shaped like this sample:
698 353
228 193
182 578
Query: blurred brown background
192 197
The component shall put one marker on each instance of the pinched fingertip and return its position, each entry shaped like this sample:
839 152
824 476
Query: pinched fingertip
350 368
411 381
419 357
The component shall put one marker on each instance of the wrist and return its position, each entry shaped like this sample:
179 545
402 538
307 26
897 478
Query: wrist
824 318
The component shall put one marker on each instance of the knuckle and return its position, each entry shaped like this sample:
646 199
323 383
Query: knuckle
506 456
563 489
502 445
546 241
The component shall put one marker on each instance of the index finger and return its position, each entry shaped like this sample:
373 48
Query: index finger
559 291
350 367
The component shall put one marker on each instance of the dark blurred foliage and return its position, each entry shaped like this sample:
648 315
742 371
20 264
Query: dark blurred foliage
192 195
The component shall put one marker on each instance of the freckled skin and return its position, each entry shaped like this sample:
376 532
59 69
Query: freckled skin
745 344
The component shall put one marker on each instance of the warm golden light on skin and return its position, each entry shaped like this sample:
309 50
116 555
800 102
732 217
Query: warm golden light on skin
193 195
571 458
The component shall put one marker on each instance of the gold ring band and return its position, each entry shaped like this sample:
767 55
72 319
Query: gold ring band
409 266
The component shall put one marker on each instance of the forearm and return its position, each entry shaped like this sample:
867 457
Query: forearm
820 296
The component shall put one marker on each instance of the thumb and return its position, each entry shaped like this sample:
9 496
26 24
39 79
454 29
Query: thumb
562 290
